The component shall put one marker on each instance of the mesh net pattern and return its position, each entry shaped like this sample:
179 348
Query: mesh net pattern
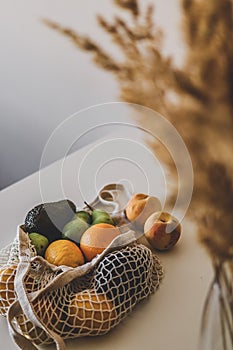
89 305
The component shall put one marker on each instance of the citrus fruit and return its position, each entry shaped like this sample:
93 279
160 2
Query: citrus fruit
91 312
97 238
64 252
7 292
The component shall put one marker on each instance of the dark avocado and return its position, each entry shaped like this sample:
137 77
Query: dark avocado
50 218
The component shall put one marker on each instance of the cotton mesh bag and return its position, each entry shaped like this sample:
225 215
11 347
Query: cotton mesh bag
44 303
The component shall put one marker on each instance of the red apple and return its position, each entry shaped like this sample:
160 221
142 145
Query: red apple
140 207
162 230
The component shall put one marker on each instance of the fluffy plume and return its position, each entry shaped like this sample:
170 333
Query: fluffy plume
202 104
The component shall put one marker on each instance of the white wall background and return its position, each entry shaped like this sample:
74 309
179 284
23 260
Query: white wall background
44 78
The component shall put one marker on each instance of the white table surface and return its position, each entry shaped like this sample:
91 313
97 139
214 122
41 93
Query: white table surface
170 318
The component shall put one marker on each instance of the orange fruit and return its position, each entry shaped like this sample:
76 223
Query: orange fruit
92 312
7 289
95 239
64 252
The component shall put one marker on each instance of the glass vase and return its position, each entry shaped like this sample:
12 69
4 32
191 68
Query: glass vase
217 318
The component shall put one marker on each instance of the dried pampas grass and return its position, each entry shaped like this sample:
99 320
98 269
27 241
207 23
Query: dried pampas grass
202 109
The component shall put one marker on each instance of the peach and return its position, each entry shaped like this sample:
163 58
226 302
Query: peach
162 230
140 207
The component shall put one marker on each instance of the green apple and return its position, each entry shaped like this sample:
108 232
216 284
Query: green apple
40 242
100 216
84 215
74 229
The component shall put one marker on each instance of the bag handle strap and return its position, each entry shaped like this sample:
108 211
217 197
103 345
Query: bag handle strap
19 339
23 305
